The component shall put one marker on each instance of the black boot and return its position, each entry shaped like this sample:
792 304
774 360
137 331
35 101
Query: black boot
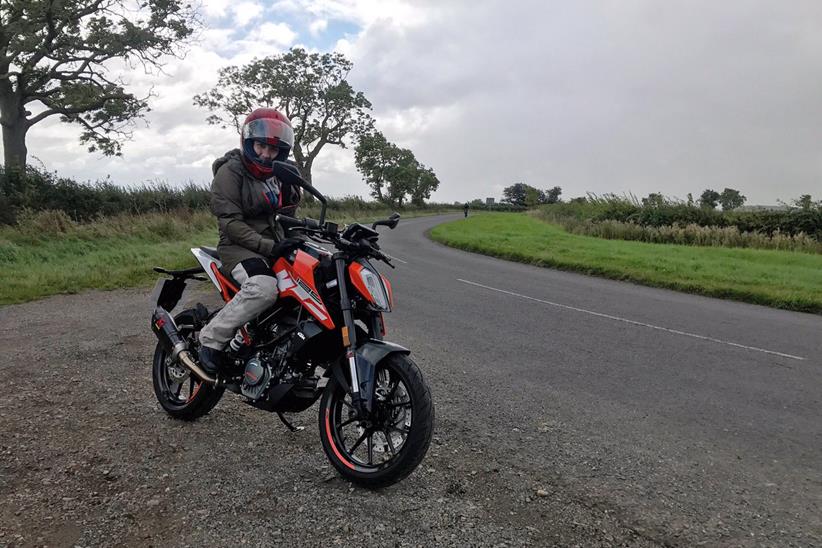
211 360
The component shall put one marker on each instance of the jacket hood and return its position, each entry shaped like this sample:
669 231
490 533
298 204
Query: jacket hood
231 155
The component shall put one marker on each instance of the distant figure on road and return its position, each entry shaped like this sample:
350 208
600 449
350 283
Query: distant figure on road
465 209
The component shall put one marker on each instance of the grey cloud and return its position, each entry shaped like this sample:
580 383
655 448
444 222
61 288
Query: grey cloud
620 96
605 96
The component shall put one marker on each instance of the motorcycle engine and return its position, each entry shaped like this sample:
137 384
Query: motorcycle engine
255 379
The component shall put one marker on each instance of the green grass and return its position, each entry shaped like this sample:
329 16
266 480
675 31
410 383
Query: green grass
48 253
781 279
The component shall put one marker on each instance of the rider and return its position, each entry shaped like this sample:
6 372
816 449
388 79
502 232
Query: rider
245 197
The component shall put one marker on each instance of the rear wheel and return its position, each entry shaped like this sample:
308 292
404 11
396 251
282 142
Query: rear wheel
181 394
392 446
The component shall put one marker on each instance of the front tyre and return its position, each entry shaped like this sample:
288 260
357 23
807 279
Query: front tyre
389 449
181 394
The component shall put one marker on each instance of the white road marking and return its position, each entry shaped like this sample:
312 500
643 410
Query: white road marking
633 322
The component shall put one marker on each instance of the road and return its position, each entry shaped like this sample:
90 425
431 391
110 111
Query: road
570 411
688 416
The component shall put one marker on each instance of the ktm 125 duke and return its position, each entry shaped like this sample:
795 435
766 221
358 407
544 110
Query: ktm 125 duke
323 339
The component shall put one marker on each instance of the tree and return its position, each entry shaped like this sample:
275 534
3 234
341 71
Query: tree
393 172
426 183
406 175
731 199
310 88
533 196
515 194
552 195
373 156
525 195
804 202
654 199
54 54
401 176
709 199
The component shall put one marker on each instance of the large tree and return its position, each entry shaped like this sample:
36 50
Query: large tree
393 172
310 88
425 183
515 194
54 58
525 195
373 156
401 177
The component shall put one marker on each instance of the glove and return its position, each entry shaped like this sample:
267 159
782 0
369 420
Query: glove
282 247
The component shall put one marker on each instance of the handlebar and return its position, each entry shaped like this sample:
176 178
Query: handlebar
306 222
330 230
288 173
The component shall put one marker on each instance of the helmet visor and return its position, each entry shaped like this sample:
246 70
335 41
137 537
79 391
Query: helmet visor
273 132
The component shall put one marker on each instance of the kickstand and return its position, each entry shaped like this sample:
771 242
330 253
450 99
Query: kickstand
289 425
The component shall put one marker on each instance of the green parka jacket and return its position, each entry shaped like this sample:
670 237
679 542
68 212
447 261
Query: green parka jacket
245 208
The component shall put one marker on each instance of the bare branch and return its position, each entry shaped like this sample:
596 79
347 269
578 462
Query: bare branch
55 108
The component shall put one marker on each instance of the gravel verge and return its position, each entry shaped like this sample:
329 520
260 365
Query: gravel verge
90 459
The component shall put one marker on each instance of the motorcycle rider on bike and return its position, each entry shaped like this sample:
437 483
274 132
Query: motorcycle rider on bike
245 197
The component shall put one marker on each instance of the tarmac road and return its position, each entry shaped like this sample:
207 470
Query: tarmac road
693 418
570 411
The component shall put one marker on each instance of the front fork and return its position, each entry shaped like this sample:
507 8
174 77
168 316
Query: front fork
360 370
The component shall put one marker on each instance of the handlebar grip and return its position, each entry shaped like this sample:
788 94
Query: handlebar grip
286 220
311 223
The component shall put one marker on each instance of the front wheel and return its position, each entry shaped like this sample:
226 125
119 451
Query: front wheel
393 445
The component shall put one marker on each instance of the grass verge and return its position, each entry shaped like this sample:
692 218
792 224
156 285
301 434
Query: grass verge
47 253
781 279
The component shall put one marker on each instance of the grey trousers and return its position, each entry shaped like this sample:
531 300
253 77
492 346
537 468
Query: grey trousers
256 294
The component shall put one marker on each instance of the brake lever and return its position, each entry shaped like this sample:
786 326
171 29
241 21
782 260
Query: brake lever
384 258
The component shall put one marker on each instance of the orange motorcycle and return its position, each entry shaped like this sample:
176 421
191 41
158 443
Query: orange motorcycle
323 339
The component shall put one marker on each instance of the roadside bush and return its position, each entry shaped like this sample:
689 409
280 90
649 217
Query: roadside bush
684 234
44 191
668 221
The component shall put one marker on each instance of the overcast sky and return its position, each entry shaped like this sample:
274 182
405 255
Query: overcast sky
593 96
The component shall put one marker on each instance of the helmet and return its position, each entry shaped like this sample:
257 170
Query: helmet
265 125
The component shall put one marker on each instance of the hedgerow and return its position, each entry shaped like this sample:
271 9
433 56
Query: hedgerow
626 218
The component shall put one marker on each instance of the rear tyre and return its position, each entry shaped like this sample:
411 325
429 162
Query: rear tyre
391 448
181 394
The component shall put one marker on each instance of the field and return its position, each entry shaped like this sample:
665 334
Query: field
781 279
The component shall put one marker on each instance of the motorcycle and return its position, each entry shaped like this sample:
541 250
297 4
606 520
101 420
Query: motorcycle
322 339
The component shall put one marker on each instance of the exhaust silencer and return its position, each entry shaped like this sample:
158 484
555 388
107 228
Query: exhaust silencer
166 331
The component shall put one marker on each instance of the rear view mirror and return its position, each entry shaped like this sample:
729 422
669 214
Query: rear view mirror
390 222
288 173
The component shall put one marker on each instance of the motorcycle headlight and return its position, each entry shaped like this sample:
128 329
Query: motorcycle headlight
371 286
